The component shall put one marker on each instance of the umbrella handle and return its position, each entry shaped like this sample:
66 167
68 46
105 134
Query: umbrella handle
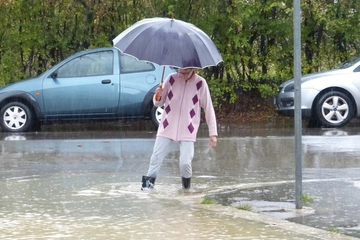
162 77
158 97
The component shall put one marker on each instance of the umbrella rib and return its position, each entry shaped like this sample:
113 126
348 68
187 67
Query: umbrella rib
204 38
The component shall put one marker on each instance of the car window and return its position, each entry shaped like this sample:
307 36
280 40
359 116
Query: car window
357 69
130 64
92 64
350 63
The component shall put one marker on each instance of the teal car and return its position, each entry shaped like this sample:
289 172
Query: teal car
96 84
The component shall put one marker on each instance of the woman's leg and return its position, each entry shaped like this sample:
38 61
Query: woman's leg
186 157
161 147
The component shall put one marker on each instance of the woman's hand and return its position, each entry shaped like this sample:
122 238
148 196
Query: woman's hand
213 141
158 93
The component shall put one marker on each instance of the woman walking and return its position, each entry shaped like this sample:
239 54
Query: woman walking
183 95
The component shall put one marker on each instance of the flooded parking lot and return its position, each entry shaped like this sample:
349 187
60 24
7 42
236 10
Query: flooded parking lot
86 185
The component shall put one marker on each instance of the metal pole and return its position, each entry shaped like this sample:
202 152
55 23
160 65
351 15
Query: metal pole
297 87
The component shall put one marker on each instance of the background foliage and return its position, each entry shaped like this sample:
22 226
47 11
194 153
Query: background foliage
255 37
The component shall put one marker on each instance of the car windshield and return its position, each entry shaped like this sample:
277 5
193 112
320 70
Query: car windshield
350 63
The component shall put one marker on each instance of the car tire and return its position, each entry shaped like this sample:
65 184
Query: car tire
16 117
156 113
334 109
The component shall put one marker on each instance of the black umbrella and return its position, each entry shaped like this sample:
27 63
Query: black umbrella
168 42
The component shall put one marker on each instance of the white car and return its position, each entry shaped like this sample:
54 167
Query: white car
328 99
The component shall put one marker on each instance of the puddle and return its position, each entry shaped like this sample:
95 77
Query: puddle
107 209
87 186
332 209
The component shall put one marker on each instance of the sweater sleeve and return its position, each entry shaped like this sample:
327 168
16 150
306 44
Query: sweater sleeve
207 105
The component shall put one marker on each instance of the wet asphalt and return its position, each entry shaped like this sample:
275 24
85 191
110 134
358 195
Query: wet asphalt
69 180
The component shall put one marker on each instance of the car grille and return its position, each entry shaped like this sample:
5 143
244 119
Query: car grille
287 102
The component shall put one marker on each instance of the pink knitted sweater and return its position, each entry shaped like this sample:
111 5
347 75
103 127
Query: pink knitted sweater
182 101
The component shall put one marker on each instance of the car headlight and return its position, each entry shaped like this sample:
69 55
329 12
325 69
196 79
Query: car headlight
289 88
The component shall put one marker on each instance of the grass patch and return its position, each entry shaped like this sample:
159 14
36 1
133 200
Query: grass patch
208 200
246 207
306 198
333 230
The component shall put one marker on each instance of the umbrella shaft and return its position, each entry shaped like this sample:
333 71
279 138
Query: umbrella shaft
157 96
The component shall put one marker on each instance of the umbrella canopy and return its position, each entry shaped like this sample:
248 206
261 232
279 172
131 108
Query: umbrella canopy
168 42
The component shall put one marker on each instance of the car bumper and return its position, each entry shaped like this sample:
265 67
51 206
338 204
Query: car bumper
285 102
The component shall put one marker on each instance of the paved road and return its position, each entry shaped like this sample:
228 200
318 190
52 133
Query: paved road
73 184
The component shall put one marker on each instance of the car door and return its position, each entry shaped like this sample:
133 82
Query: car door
83 86
137 79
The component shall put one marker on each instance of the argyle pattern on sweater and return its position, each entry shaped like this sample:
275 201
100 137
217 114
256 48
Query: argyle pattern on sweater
168 108
195 100
183 102
192 112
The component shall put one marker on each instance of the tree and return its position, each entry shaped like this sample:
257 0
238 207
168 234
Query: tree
255 37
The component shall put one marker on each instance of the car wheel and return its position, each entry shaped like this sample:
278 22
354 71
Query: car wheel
156 113
15 117
334 109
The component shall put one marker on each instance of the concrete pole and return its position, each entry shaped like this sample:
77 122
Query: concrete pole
297 117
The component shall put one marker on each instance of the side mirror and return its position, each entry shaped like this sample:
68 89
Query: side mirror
54 75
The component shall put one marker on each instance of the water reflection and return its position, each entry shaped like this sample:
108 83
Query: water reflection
14 138
335 132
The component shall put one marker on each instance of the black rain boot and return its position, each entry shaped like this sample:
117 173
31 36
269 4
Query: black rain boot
186 183
147 182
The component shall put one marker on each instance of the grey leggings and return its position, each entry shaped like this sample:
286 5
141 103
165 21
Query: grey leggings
161 148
